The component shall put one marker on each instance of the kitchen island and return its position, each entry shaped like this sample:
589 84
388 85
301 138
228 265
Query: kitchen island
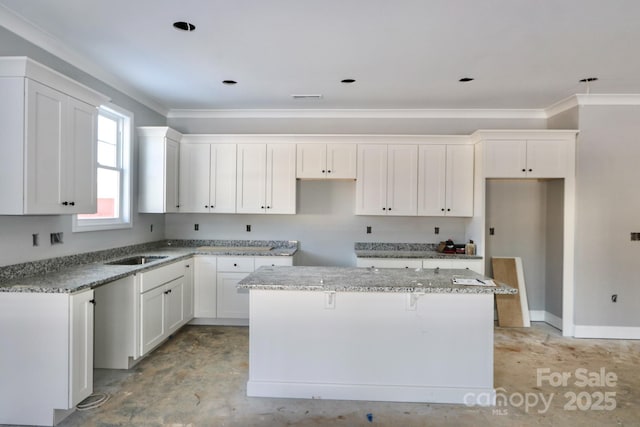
368 334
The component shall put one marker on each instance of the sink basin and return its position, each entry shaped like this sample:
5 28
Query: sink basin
136 260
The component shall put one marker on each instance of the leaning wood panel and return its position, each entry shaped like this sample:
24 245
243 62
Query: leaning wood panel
513 310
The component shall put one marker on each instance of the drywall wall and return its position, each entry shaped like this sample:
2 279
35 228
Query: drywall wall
384 126
16 242
554 245
568 119
325 225
516 209
607 210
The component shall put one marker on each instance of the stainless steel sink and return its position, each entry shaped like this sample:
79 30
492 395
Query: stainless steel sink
136 260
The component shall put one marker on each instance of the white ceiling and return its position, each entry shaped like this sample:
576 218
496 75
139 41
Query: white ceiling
404 54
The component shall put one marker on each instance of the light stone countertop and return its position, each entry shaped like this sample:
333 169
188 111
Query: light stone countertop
90 275
352 279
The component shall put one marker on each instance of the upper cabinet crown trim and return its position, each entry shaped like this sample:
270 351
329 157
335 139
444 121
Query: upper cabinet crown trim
160 131
22 66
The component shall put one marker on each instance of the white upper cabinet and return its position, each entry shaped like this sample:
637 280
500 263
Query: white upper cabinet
326 161
533 158
445 181
48 154
158 165
387 180
266 178
207 177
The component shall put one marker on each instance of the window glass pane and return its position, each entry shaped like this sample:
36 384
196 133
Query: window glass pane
107 154
108 195
107 129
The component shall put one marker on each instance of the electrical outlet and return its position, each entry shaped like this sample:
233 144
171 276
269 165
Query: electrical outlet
436 230
35 239
635 236
368 229
248 228
196 227
492 231
614 298
56 238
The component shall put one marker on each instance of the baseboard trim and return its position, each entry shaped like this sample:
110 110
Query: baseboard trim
372 392
607 332
219 322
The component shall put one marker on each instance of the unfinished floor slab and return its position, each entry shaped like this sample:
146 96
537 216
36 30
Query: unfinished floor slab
199 377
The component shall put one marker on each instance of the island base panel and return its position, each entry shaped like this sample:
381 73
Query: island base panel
372 346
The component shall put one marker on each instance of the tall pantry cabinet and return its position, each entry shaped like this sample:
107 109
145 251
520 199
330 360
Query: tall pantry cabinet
48 154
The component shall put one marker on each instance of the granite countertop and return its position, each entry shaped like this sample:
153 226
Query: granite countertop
79 272
405 250
352 279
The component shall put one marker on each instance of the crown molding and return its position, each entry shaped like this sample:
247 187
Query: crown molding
359 114
585 99
37 36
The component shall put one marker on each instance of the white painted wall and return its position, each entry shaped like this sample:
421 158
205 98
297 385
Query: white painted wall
325 225
608 209
554 244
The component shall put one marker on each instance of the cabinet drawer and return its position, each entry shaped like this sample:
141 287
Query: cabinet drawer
235 264
271 261
161 275
389 263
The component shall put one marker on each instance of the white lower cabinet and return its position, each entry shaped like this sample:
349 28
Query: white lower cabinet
49 368
476 265
389 263
161 313
217 298
233 303
136 313
161 304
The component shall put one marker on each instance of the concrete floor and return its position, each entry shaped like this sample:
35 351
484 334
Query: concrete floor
198 378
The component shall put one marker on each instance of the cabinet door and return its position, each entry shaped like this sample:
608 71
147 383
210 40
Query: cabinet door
152 324
371 186
45 133
251 173
171 173
80 347
173 305
459 186
222 187
341 161
194 177
204 281
281 179
432 180
78 163
311 160
547 158
402 180
233 303
505 159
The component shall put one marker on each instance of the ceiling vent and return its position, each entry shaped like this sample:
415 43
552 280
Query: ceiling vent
306 96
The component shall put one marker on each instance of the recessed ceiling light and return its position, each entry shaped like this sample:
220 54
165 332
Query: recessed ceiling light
588 79
229 82
466 79
184 26
348 81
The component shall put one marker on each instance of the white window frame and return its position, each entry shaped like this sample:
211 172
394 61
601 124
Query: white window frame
125 220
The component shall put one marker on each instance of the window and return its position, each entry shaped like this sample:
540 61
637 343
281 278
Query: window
114 180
